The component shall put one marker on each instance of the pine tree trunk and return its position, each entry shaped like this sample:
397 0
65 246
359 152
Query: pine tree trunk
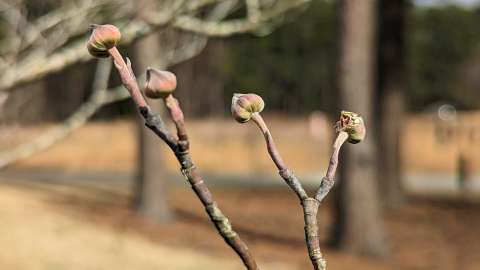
391 87
151 185
360 226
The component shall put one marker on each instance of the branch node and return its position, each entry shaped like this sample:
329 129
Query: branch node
183 145
185 160
311 206
222 223
154 122
151 119
186 173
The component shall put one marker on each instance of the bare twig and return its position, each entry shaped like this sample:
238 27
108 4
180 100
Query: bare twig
180 147
309 205
250 108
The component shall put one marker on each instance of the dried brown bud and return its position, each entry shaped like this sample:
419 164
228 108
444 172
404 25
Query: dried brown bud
160 83
103 38
352 124
244 105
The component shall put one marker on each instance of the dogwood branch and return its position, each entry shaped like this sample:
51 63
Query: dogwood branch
180 147
310 205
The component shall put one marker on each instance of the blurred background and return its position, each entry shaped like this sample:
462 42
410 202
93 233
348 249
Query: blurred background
83 185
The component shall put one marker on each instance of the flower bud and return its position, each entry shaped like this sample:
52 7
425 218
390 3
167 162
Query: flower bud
160 83
103 38
244 105
353 125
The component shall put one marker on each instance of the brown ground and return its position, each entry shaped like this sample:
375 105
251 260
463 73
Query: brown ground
101 228
57 226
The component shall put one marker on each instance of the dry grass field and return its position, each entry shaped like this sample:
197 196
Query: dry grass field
56 226
61 228
225 147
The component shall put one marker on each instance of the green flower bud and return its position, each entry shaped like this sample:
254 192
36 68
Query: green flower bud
244 105
353 125
160 83
103 38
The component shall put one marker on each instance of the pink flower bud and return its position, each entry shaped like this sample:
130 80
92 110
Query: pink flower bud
103 38
352 124
160 83
244 105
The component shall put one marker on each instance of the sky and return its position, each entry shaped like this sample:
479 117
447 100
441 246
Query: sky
441 2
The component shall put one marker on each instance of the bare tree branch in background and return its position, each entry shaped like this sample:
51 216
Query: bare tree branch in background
76 120
55 40
100 97
34 57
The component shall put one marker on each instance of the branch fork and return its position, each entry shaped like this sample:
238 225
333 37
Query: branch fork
349 128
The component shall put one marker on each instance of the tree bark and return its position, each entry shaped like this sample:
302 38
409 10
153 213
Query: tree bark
360 227
391 87
151 186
